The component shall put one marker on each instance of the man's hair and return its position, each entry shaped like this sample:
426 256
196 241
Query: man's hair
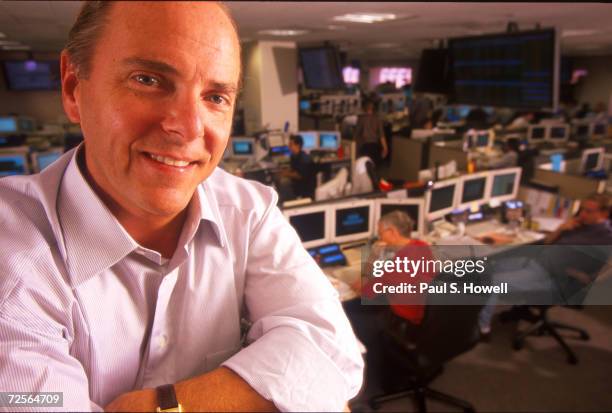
88 27
297 139
602 201
400 220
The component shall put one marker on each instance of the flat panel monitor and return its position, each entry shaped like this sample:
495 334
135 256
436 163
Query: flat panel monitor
413 207
8 124
592 159
311 223
352 221
504 184
483 139
536 133
582 130
310 139
433 73
441 198
321 68
40 160
516 70
558 133
13 164
329 140
473 190
243 148
599 130
25 75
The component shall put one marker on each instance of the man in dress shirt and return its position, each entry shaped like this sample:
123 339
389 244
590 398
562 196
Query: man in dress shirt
129 263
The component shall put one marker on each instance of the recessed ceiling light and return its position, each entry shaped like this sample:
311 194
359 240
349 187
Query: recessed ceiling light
336 27
2 35
365 17
579 32
283 32
385 45
15 47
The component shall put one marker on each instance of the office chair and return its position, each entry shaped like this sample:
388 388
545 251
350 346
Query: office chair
445 332
590 260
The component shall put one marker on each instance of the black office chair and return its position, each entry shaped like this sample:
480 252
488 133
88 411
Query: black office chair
445 332
588 259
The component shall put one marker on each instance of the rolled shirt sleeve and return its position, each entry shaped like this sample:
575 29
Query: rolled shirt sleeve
303 354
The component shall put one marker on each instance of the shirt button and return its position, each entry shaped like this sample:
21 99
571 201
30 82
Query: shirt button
163 341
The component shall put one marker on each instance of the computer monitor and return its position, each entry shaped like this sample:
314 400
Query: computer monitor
536 133
8 124
310 139
441 198
13 164
599 130
473 190
352 220
40 160
329 140
478 139
592 159
582 130
558 133
413 207
311 223
503 184
242 148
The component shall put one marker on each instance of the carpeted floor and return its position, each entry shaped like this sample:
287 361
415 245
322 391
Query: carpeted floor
496 378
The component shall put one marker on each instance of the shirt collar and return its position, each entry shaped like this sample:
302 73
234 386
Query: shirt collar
94 239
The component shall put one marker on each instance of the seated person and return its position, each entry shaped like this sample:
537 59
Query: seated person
302 172
394 240
364 176
522 121
541 275
508 159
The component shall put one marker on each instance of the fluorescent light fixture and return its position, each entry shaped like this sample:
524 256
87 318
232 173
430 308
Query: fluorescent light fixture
336 27
579 32
283 32
15 47
385 45
365 17
9 43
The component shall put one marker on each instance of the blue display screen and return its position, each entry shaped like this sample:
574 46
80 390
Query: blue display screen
12 165
351 221
328 140
242 148
8 124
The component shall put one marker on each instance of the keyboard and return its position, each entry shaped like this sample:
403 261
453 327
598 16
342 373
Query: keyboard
481 228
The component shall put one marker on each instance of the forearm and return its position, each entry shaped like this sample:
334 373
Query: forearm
218 390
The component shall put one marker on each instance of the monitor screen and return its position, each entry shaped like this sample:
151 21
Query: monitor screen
557 132
280 150
46 159
507 69
321 68
8 124
32 74
242 148
538 132
310 226
473 190
582 130
275 139
309 139
433 73
352 220
442 198
12 164
328 140
482 139
591 161
503 184
304 104
412 210
599 129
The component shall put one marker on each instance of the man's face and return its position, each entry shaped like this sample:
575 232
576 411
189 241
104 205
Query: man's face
386 233
294 147
156 109
590 214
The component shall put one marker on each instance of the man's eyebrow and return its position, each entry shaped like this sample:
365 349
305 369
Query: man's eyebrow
155 65
224 87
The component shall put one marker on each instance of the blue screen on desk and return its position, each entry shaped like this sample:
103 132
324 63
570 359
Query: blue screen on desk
8 124
310 140
351 221
242 148
12 165
328 140
47 159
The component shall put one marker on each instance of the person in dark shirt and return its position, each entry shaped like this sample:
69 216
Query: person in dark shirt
301 173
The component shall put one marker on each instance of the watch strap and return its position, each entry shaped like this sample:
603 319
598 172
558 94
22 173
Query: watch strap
166 399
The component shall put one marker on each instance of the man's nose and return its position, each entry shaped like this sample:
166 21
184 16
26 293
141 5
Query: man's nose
184 118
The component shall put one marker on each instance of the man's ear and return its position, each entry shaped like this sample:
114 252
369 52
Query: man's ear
70 88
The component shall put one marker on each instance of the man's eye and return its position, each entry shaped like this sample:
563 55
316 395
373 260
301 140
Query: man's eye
146 80
217 99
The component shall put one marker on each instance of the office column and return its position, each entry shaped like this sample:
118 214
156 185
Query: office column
270 92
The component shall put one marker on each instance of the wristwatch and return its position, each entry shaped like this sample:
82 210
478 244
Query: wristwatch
166 398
